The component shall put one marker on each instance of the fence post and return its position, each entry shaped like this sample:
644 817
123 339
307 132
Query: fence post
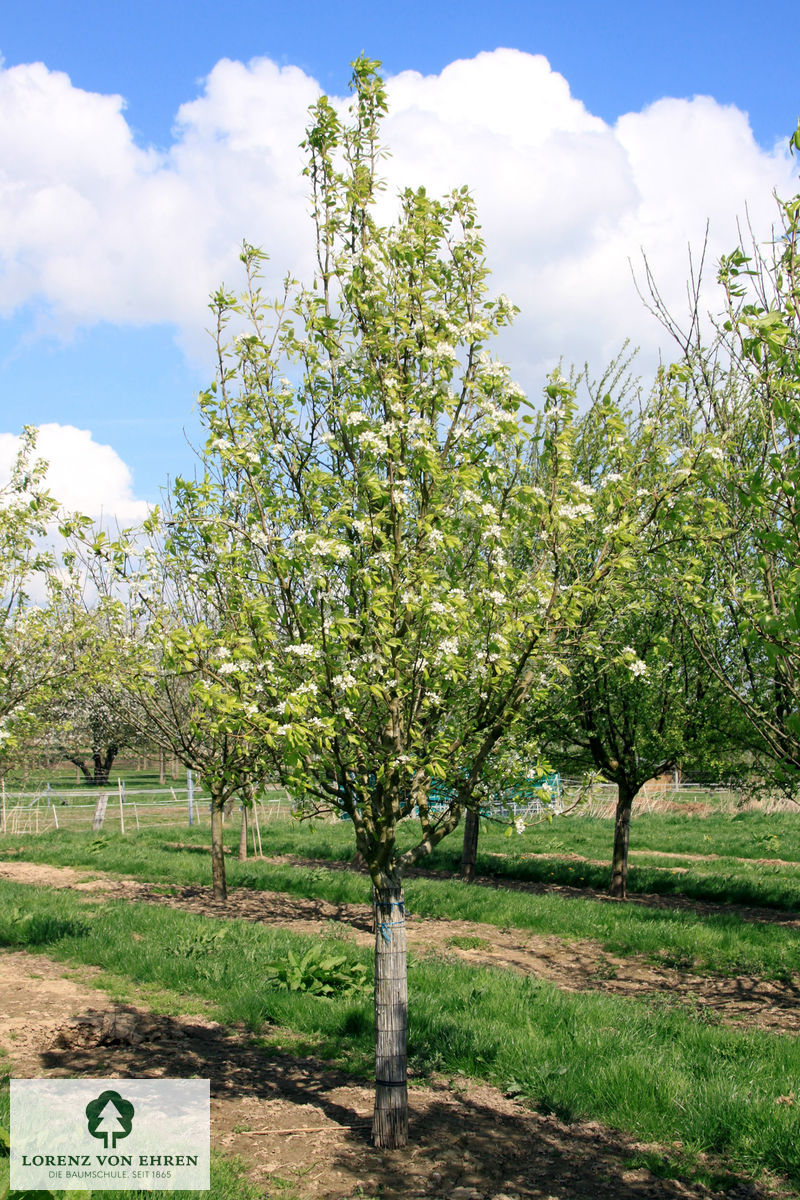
3 785
190 793
99 813
121 788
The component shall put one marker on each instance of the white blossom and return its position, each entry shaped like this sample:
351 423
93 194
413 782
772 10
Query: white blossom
371 440
573 511
344 681
303 650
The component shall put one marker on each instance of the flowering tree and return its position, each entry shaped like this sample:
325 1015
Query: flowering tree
741 553
356 528
168 698
632 700
162 635
30 656
83 717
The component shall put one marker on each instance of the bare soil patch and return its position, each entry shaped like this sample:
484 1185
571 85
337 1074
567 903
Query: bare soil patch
579 965
297 1120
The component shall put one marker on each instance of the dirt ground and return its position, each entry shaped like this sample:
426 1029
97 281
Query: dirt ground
299 1121
295 1120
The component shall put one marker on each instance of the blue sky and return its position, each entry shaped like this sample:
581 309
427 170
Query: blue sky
116 221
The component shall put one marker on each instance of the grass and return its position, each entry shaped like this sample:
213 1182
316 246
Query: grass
749 835
719 942
644 1067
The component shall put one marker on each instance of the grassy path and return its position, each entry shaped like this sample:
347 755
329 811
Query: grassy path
678 936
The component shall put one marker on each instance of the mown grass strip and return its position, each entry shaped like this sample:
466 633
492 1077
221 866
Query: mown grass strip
641 1067
724 879
720 942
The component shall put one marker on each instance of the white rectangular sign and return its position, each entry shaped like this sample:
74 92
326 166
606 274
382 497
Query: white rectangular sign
110 1134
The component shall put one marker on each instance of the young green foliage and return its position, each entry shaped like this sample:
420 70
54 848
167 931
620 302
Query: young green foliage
741 555
363 488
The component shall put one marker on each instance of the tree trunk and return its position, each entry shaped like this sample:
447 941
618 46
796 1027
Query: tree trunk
469 852
622 824
217 853
101 772
81 766
390 1119
243 835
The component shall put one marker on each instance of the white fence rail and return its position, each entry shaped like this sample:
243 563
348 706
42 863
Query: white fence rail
121 807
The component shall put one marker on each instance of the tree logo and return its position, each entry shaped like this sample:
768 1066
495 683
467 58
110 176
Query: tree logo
109 1116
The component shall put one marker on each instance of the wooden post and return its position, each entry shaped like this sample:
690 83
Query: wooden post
390 1118
99 812
258 830
121 814
243 836
162 767
3 784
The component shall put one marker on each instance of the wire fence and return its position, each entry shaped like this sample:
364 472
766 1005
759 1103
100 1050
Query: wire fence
121 807
126 808
665 795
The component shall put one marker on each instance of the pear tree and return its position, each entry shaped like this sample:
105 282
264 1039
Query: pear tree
368 533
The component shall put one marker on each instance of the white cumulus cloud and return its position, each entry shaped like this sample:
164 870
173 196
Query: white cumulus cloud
95 228
83 475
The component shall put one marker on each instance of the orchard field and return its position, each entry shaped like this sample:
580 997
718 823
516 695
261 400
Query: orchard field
416 597
644 1048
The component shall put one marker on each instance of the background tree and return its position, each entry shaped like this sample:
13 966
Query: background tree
168 693
633 698
83 717
739 597
31 656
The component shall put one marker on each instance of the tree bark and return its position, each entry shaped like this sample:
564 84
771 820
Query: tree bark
218 853
101 766
622 823
243 835
469 852
390 1119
